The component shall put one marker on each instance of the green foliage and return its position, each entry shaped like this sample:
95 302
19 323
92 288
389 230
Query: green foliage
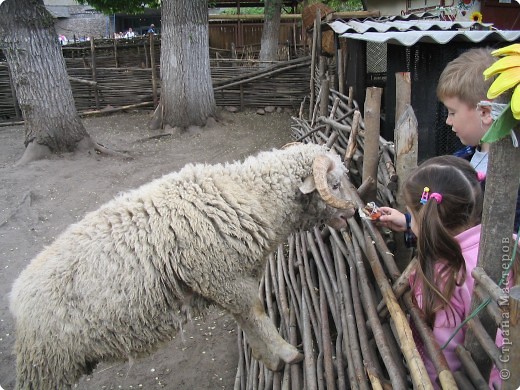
244 11
138 6
121 6
501 128
344 5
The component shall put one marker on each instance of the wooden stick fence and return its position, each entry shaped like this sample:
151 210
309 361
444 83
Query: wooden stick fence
340 297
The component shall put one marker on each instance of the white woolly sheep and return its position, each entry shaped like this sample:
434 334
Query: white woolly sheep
124 279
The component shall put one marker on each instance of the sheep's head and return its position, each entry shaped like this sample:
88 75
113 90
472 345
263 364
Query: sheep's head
328 171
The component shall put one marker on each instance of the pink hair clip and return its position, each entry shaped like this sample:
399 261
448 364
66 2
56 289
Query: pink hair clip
425 195
481 176
437 197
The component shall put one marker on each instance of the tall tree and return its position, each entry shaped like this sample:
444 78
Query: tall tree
186 91
29 41
271 30
186 88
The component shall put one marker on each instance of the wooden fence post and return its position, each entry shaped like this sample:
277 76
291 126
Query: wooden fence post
154 75
496 240
93 68
116 58
511 351
405 139
406 135
372 132
324 98
314 49
341 66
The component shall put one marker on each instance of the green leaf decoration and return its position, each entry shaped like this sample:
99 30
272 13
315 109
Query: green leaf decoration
500 128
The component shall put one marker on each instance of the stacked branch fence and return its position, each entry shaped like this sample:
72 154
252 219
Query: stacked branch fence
339 295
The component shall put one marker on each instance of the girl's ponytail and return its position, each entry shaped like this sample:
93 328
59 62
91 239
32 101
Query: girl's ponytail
445 198
435 242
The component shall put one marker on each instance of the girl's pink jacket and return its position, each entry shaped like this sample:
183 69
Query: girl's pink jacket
448 319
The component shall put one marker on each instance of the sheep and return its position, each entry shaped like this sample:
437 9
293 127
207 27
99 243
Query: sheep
123 280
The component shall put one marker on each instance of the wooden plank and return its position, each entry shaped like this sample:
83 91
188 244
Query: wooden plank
371 147
496 241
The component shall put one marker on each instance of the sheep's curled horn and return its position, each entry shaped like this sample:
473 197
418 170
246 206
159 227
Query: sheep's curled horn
320 166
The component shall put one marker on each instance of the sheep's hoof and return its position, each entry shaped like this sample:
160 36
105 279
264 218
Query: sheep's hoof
274 364
297 358
291 355
271 361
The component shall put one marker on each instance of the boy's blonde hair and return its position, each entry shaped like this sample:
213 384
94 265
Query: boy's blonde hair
462 77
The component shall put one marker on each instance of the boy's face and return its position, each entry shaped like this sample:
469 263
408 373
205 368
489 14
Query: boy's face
467 122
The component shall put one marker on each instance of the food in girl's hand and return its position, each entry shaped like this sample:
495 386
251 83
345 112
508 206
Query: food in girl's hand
371 211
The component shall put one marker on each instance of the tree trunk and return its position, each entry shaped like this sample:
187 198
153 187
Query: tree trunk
187 92
271 30
40 80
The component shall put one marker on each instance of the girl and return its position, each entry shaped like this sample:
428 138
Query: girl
444 199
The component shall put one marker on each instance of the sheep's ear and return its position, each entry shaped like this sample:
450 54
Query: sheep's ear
308 185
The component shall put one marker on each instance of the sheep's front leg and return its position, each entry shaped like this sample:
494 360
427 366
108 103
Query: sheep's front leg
241 300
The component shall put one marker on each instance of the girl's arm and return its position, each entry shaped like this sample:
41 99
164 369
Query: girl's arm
392 219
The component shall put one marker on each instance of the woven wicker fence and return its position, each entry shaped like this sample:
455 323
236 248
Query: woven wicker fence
123 77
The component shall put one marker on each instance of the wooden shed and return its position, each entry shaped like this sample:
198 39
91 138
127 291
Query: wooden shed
421 45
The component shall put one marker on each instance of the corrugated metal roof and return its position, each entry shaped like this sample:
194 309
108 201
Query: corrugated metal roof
409 32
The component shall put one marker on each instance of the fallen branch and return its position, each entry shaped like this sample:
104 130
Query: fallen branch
114 109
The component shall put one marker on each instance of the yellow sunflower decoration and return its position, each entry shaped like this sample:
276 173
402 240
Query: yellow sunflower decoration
476 17
508 70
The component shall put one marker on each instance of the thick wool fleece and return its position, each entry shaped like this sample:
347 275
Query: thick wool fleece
126 277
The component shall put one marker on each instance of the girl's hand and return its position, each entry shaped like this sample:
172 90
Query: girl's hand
392 219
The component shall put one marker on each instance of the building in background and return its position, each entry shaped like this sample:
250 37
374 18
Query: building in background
502 13
77 22
80 22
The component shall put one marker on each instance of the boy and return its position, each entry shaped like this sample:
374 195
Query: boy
461 88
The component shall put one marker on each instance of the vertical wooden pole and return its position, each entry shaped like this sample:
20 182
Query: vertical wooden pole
319 41
116 58
146 55
154 75
407 136
371 148
313 63
295 45
496 240
94 72
341 66
350 98
405 139
403 93
324 98
511 351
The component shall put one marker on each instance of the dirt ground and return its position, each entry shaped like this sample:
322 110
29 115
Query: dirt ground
40 200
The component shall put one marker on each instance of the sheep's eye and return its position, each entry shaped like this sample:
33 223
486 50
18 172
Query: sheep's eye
335 186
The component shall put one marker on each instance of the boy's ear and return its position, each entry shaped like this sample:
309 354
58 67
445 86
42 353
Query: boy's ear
485 116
